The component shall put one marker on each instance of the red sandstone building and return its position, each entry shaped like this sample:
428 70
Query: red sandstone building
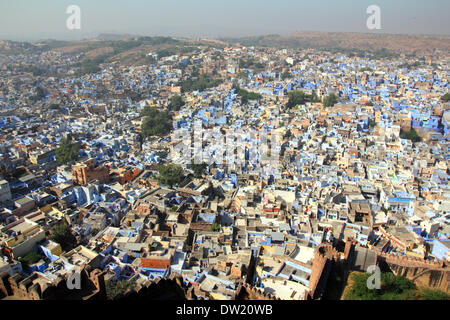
85 172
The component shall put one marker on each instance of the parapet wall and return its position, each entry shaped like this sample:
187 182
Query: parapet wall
410 261
37 287
170 288
248 292
426 273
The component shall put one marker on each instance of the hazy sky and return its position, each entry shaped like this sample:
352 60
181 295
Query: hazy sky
43 19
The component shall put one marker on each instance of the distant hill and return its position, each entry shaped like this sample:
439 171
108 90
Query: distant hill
126 49
350 41
111 36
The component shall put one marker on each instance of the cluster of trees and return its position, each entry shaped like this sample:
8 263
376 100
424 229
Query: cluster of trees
198 169
62 234
410 65
215 227
67 151
242 75
114 288
204 82
329 100
157 40
31 258
164 53
155 122
295 98
247 95
445 97
391 288
170 174
39 95
91 66
298 97
250 64
285 75
176 102
171 51
410 135
36 71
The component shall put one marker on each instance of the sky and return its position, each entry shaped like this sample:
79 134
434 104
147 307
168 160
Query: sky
28 20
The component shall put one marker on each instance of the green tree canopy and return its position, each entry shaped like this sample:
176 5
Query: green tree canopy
204 81
330 100
170 174
114 288
445 97
242 75
410 135
392 288
91 65
62 234
67 151
295 98
288 134
247 95
285 75
215 227
155 122
198 169
176 102
31 258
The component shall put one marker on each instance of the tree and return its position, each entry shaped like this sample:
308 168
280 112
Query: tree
295 98
288 134
215 227
204 81
242 75
155 122
40 94
285 75
330 100
445 97
392 288
114 288
170 174
67 151
247 95
410 135
62 234
176 102
31 258
91 66
164 53
430 294
198 169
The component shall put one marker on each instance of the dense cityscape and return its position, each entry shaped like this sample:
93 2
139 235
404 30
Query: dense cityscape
209 170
